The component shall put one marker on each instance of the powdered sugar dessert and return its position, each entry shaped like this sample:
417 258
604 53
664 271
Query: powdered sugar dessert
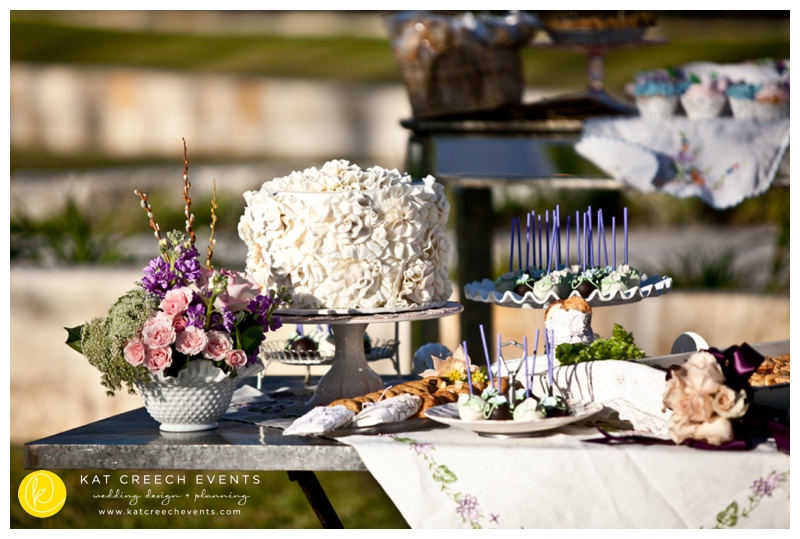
340 237
570 320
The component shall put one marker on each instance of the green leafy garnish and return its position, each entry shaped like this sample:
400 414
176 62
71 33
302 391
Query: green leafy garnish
619 346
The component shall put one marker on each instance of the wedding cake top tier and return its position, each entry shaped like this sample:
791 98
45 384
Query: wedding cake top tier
340 237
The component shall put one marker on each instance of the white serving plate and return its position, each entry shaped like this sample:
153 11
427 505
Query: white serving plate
486 292
448 415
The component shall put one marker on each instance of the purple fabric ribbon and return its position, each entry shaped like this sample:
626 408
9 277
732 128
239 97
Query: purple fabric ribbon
738 363
610 439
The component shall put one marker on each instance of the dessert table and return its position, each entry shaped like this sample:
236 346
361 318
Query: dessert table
446 477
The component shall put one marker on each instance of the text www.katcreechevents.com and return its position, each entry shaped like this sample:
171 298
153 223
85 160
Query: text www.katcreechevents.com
169 512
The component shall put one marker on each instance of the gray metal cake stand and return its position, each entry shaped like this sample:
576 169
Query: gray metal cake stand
350 375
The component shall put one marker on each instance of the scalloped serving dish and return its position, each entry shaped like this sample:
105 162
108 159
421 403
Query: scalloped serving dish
485 292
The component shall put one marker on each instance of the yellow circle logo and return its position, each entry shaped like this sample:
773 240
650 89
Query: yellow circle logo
42 494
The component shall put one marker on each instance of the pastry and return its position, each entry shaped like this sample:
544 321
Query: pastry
570 320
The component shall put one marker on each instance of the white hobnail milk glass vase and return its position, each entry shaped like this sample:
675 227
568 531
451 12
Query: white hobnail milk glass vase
195 399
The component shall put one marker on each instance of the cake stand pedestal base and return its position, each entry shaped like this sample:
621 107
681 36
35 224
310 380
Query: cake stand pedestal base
350 375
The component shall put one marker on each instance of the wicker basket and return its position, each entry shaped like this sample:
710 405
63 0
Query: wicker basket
463 79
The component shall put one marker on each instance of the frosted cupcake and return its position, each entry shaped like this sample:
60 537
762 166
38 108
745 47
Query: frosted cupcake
772 101
656 95
742 97
704 98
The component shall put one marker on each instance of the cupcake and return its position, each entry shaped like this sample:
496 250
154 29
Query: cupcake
742 97
656 95
703 98
772 101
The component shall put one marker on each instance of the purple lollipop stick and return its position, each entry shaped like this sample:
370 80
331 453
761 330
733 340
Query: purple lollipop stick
547 238
511 248
519 242
567 253
486 353
614 241
578 237
527 241
499 360
466 361
540 242
625 226
525 359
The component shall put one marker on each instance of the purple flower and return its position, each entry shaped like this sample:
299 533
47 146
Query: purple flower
468 508
764 486
422 449
196 315
260 306
222 319
188 265
158 278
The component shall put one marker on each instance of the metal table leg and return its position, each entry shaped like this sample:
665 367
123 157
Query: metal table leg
317 498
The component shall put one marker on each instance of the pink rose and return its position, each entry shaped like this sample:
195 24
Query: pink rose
236 358
242 289
158 359
716 431
176 301
694 406
158 331
729 404
218 346
134 352
191 341
681 429
179 323
703 373
673 391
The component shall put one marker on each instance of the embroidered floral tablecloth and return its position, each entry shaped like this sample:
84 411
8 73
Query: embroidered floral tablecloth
451 478
722 161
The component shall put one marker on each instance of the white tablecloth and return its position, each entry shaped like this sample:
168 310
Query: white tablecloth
722 161
452 478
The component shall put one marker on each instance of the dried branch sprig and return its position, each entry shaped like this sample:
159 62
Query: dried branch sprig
211 240
149 210
187 210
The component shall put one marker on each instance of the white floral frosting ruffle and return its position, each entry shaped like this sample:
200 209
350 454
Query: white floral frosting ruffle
345 238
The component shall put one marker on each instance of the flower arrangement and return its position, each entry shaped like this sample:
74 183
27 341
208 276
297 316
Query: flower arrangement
179 312
454 368
702 404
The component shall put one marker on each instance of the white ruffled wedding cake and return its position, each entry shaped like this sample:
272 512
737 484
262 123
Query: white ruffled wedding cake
341 237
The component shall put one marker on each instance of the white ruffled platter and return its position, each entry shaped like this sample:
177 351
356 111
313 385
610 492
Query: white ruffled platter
448 414
485 292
